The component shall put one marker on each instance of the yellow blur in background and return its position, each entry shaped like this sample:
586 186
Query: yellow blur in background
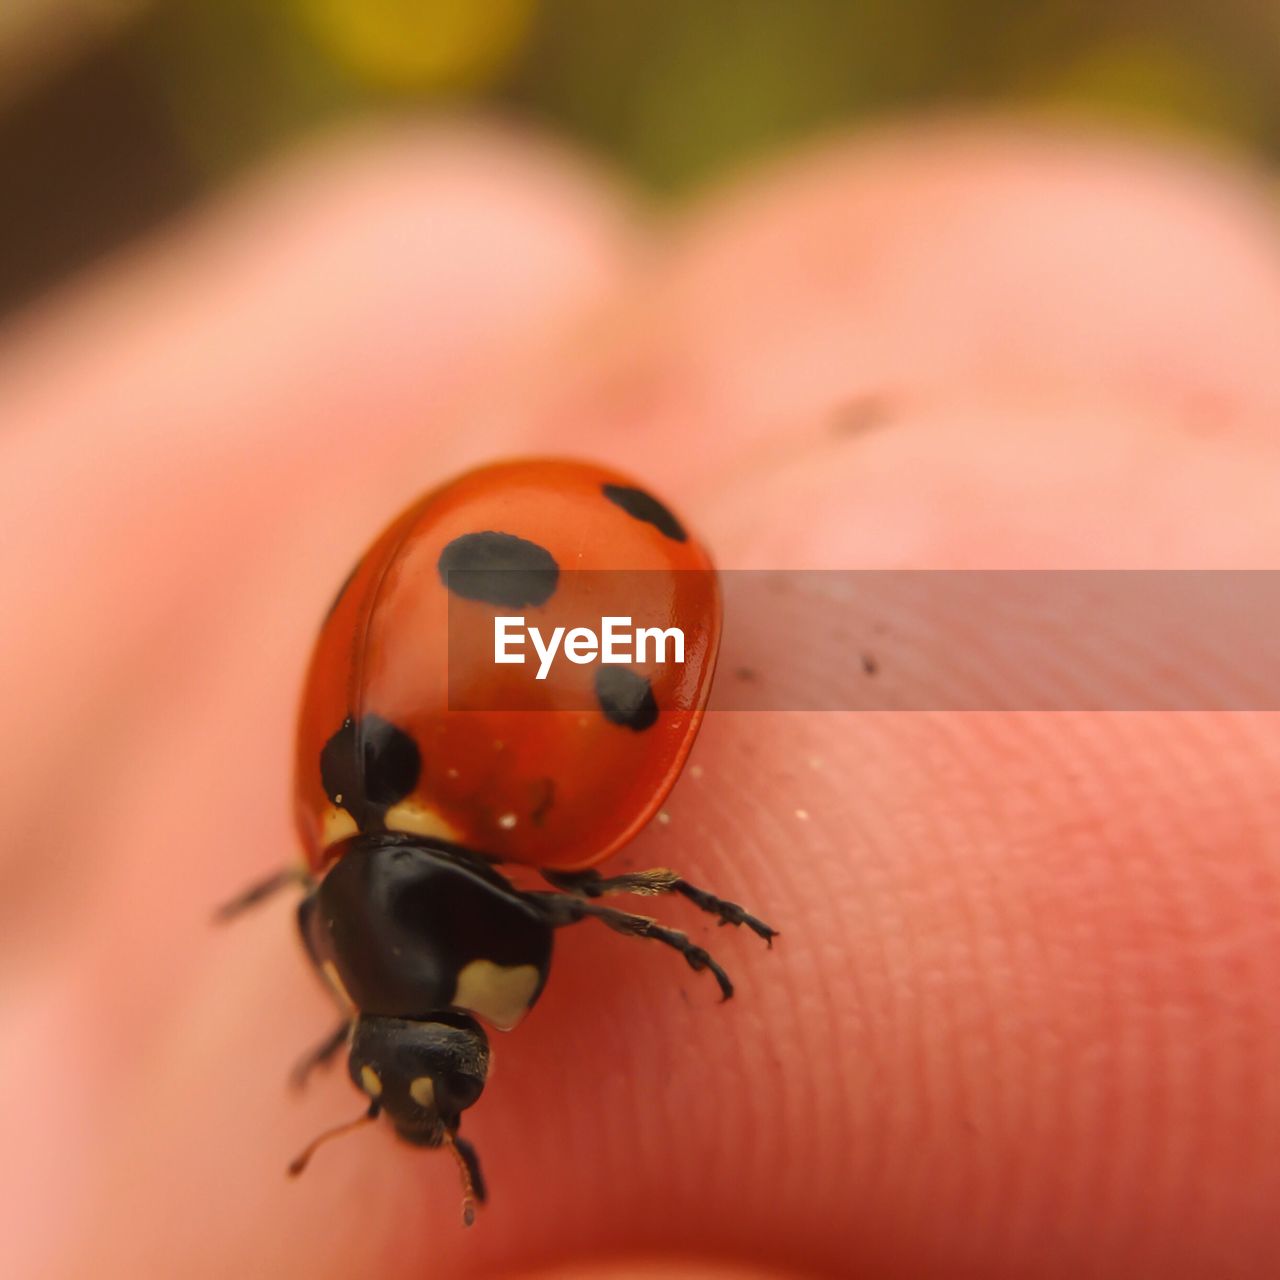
441 44
116 113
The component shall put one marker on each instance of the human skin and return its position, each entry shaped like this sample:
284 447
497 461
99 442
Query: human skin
1021 1019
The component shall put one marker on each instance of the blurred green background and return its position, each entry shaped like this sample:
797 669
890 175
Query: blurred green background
114 114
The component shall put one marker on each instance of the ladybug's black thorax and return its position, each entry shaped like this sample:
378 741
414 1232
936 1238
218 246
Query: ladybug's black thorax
411 929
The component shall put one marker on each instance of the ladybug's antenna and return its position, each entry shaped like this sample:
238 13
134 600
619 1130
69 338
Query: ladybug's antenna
469 1168
300 1161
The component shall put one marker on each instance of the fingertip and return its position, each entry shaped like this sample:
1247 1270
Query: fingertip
657 1269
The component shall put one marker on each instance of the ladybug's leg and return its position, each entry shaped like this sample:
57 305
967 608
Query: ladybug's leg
319 1055
560 909
590 884
262 890
471 1161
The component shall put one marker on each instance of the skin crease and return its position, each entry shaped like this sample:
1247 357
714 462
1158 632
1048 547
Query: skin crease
1021 1019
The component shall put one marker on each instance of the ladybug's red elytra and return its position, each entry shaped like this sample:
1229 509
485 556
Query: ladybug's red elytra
407 807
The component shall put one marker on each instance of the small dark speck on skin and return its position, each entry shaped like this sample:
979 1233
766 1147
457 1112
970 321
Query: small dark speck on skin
870 665
860 414
746 674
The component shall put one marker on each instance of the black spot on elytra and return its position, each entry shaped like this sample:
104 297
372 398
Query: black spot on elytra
644 506
498 568
870 664
368 767
626 698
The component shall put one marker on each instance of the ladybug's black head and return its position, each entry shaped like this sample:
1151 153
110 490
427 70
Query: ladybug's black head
422 1075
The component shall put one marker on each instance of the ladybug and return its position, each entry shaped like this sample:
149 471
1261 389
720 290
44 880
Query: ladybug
423 765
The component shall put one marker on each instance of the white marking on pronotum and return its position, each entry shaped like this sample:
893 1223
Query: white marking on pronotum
498 993
332 977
